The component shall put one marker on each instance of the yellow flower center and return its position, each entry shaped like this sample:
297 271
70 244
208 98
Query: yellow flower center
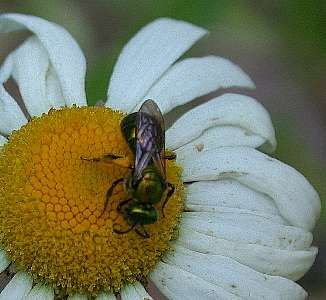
52 218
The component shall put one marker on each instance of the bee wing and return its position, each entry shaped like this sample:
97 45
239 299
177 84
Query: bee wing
150 143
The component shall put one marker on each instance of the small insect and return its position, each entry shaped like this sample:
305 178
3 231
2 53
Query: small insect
146 184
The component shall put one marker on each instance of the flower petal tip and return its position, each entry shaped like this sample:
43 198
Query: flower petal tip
146 57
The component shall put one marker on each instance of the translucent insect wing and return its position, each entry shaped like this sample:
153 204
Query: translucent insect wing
150 144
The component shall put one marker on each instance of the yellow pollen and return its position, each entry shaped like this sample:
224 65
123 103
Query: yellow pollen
52 219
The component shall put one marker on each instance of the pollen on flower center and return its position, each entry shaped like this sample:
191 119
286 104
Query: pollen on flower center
52 218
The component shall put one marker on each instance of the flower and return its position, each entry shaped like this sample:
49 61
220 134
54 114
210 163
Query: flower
245 231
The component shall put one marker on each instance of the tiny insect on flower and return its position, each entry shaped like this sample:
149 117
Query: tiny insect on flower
144 132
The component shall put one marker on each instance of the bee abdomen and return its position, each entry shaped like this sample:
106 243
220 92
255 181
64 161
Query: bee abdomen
150 190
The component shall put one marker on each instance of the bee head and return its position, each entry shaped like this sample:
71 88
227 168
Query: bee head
138 213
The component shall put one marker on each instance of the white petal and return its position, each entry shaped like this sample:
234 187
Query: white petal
195 77
40 292
134 291
6 69
295 198
18 287
177 284
3 140
248 229
29 68
53 89
4 260
146 57
105 296
235 212
11 116
221 136
230 109
229 213
286 263
234 277
77 297
65 55
37 81
228 193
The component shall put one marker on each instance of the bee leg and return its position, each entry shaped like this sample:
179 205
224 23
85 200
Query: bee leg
111 158
110 191
123 203
143 234
168 196
169 155
124 231
106 157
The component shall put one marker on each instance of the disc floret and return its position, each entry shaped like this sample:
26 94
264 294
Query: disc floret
51 214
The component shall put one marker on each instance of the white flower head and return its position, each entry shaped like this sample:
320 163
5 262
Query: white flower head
245 229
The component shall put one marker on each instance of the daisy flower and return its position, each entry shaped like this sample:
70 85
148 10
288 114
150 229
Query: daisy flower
238 225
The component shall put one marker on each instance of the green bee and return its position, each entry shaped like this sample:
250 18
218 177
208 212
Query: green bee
146 184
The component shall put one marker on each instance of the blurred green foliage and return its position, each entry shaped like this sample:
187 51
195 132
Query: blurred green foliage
302 25
293 150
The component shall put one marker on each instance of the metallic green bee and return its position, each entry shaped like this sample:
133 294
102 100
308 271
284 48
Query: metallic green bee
146 185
